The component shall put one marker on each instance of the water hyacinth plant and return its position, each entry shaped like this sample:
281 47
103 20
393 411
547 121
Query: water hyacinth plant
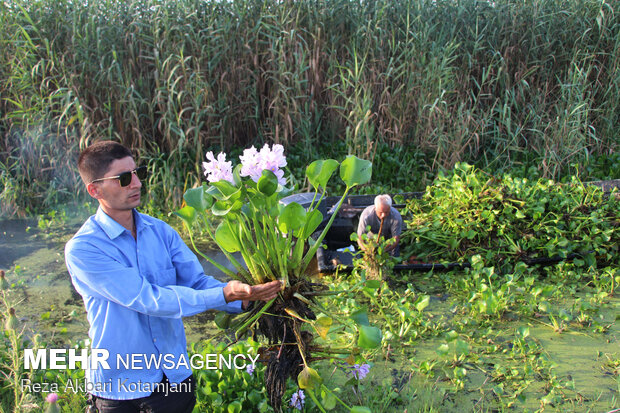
275 243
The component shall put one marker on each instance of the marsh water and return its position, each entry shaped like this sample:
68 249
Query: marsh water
44 298
46 303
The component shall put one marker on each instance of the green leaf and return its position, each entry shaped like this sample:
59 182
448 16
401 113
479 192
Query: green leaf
292 217
313 220
223 190
225 238
328 400
373 285
284 192
235 407
222 319
322 325
543 306
452 335
216 399
591 259
460 372
187 214
523 331
355 171
360 317
565 315
222 208
443 349
319 172
237 180
370 337
360 409
267 183
461 347
309 379
255 397
422 302
198 199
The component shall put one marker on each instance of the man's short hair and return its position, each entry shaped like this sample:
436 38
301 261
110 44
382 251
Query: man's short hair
95 160
384 199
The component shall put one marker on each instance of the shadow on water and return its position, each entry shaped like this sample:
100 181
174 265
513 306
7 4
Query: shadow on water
43 295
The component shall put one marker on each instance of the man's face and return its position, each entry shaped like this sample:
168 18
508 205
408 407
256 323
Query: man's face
382 211
110 193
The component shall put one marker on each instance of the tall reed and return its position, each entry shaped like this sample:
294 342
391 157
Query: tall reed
498 83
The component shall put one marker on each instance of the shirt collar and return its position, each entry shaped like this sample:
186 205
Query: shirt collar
112 228
141 223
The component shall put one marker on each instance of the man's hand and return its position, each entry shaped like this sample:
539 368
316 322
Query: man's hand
392 243
236 290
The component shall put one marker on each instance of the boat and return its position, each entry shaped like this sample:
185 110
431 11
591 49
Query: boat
339 251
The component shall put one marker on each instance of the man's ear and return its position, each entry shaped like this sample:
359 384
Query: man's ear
94 190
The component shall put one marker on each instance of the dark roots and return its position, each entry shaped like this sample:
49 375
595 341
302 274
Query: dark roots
283 355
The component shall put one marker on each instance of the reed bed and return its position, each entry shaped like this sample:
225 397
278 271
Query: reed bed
499 83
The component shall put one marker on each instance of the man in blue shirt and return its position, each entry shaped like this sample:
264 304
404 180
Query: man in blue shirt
138 279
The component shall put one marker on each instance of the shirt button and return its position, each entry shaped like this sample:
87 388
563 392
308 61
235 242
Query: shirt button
154 340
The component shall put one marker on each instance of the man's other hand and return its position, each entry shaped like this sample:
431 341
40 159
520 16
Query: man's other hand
236 290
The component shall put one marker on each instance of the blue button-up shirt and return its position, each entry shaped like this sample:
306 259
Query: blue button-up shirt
135 292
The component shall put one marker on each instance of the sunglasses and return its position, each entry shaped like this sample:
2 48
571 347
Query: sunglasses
125 178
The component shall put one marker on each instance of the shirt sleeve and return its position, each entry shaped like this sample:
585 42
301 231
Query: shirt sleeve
361 227
95 273
397 224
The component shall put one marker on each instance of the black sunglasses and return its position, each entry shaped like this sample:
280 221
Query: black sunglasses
125 178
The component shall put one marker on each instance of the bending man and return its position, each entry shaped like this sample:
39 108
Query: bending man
382 217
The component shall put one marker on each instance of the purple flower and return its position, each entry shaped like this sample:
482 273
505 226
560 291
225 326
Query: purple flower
217 169
254 162
297 399
250 369
53 407
273 160
274 157
250 165
359 372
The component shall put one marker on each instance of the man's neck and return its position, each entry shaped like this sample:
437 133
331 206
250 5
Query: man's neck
125 218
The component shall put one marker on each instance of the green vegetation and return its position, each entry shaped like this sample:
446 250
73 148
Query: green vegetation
501 335
413 86
507 219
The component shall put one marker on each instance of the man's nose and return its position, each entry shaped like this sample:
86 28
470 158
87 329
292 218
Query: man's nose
135 181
